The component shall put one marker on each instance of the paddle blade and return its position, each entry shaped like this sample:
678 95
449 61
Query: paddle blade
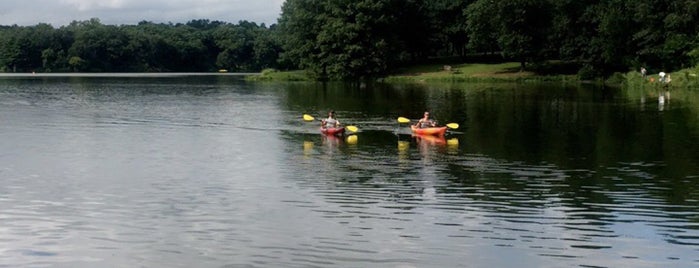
307 145
403 145
453 125
307 117
453 142
352 128
403 120
352 139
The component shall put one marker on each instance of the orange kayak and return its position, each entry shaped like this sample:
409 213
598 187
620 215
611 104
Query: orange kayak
437 131
430 139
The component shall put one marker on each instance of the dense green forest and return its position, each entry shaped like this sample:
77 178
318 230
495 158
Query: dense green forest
90 46
348 39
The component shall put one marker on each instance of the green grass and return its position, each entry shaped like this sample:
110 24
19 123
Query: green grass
472 72
685 78
461 72
496 72
467 69
466 72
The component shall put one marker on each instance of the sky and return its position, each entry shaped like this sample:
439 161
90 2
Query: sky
117 12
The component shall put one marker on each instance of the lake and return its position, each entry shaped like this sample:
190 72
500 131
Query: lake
212 171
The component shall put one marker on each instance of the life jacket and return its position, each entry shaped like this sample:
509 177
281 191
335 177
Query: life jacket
426 124
330 122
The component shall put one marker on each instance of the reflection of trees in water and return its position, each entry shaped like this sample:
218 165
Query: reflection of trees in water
529 148
372 170
402 177
581 129
602 197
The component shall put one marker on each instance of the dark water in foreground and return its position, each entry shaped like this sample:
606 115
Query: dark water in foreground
187 171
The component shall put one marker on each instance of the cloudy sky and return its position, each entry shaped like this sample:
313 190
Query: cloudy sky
62 12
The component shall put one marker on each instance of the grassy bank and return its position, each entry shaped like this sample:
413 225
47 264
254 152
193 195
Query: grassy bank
685 78
275 75
467 72
472 72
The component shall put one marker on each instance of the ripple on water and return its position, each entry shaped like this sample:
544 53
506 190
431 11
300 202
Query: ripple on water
180 175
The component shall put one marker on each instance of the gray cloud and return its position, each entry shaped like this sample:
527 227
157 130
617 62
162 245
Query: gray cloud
62 12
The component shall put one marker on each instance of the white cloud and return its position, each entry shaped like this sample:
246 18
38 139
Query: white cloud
62 12
87 5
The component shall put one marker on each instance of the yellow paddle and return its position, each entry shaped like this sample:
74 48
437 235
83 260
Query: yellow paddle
406 120
351 139
309 118
403 120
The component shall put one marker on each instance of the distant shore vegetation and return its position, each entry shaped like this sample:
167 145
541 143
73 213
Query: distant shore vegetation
380 39
465 72
90 46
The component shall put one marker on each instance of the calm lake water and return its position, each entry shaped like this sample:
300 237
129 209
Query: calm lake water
211 171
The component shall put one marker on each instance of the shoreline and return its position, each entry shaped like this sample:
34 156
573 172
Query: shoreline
463 72
112 74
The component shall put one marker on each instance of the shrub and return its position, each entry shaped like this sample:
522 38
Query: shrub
587 72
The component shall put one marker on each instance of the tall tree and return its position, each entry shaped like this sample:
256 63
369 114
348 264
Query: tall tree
299 23
574 25
236 44
447 21
266 48
665 31
519 27
102 47
480 26
348 39
612 47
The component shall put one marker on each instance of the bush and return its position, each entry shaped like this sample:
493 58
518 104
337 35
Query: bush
276 75
618 78
694 56
268 72
587 72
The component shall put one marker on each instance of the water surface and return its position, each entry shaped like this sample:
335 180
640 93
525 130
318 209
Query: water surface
211 171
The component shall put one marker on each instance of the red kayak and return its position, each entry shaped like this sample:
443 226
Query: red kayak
333 130
436 131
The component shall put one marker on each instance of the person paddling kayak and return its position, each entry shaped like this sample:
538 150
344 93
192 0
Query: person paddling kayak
425 121
331 125
330 122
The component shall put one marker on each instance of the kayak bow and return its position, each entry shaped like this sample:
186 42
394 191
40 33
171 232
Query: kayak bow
333 130
436 131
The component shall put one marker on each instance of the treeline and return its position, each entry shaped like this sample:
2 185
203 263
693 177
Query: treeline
90 46
347 39
356 38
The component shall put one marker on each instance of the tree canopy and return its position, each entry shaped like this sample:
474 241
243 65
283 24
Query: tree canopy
90 46
349 39
368 38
